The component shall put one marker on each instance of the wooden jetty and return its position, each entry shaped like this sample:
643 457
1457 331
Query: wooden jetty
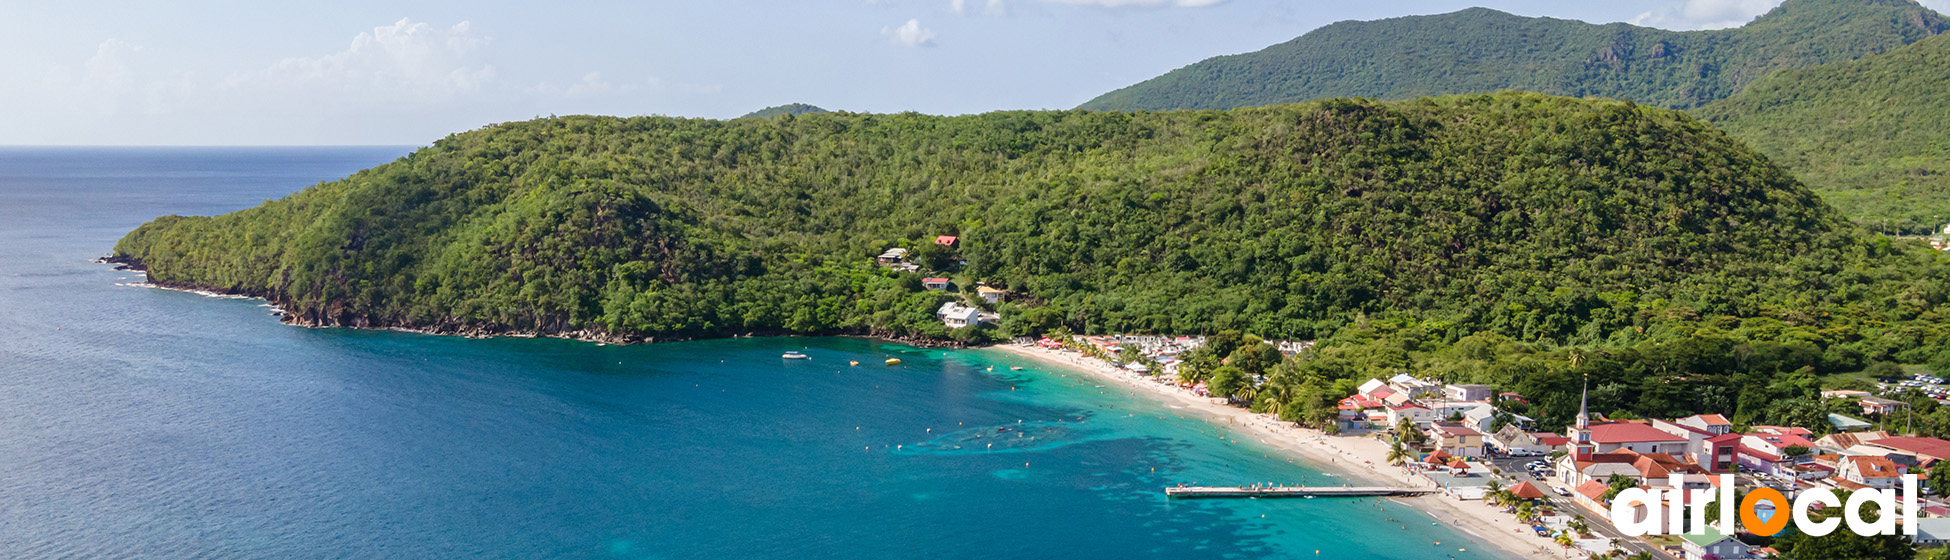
1291 491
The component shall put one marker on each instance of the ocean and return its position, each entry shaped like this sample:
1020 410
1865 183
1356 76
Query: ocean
146 423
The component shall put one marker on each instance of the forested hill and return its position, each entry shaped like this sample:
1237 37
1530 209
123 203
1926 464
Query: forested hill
1540 218
1482 50
1873 135
786 109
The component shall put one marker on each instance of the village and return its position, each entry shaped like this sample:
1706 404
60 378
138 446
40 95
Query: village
1559 485
1456 438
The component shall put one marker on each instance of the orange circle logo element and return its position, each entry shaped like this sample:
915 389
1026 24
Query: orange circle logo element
1751 521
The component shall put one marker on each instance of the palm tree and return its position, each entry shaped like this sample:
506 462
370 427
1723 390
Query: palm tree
1397 453
1493 486
1246 393
1578 524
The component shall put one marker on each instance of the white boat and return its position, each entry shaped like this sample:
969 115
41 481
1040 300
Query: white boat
796 355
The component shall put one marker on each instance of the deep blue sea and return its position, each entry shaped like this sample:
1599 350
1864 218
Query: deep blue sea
144 423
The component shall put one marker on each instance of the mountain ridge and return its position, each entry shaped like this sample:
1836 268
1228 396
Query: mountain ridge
1480 50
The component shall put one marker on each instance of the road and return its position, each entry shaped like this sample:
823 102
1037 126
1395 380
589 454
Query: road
1513 467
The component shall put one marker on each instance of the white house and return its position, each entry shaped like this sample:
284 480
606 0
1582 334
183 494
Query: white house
956 315
1870 472
1468 392
1420 415
991 295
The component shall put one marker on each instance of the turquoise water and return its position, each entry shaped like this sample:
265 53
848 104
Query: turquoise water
143 423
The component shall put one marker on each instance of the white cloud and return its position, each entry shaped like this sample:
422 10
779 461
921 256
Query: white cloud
1705 14
992 7
1140 3
909 34
406 61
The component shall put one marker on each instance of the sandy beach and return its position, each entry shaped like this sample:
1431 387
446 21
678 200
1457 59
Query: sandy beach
1361 458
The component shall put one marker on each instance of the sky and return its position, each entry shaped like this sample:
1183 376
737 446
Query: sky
407 72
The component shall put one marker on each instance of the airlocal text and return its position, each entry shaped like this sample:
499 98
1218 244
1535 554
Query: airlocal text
1637 511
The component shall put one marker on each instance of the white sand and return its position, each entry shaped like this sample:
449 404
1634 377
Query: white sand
1361 458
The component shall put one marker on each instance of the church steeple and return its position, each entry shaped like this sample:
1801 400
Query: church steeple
1581 446
1584 412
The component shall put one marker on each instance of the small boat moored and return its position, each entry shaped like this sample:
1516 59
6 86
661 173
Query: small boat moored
853 362
796 355
893 361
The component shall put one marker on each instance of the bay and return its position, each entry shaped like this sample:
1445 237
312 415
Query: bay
145 423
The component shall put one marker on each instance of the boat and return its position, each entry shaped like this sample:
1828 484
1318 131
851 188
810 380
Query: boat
893 361
796 355
853 362
1015 368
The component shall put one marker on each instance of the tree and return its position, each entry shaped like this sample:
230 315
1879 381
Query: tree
1226 381
1617 483
1883 370
1939 478
1398 453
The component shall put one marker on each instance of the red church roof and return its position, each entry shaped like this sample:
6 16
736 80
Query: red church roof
1628 432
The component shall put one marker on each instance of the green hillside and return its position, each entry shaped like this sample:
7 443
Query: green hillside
1873 136
786 109
1482 50
1511 238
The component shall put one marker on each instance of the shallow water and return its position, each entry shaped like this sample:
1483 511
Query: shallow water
143 423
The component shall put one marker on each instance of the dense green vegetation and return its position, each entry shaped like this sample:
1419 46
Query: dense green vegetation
786 109
1872 136
1518 239
1482 50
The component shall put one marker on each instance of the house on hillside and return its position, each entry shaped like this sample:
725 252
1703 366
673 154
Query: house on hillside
990 295
892 256
1882 406
946 241
1468 392
934 283
956 315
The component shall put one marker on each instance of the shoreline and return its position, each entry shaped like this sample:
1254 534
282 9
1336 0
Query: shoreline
1349 457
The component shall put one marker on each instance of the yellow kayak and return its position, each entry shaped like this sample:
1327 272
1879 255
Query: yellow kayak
893 361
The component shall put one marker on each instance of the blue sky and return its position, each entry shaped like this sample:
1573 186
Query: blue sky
205 72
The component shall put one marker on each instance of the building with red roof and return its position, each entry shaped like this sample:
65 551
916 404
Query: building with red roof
1772 450
1526 490
1926 450
1591 495
945 240
1635 436
1858 472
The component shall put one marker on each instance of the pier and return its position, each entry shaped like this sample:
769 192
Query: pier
1291 491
